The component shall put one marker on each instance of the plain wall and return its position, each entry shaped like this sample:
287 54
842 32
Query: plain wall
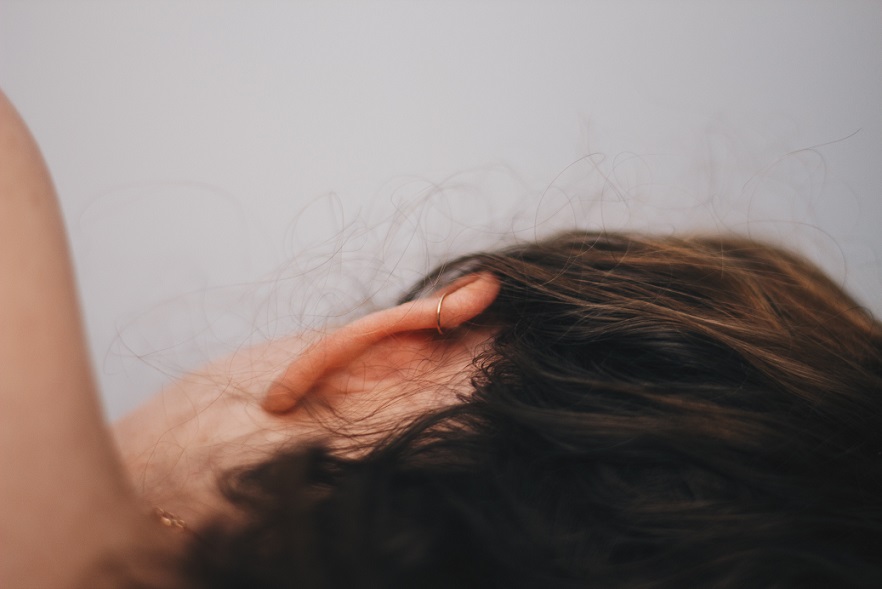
230 171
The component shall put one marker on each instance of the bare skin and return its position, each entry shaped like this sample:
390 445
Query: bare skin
52 436
80 495
176 445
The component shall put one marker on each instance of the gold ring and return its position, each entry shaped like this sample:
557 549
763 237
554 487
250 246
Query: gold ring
438 314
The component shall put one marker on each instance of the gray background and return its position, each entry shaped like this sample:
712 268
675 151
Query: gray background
232 171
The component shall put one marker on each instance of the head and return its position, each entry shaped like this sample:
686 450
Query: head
626 411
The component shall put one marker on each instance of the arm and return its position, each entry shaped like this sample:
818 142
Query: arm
63 497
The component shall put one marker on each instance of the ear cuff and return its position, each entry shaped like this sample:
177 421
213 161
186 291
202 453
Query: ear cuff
438 315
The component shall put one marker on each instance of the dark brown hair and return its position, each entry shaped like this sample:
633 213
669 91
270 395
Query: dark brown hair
654 412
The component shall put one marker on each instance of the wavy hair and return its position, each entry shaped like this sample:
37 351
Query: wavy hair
653 412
